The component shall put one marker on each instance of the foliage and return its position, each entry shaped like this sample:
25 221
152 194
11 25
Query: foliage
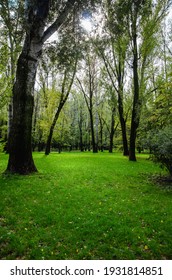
161 147
113 42
85 206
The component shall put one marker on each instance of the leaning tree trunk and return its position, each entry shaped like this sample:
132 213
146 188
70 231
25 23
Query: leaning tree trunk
50 135
20 148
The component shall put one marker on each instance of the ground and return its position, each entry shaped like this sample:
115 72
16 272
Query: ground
85 206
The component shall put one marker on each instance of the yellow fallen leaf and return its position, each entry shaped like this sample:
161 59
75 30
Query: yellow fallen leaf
146 247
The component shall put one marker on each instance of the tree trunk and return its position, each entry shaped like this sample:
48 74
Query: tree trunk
81 146
10 117
101 134
121 109
48 144
20 147
63 99
112 131
35 114
94 145
80 133
123 126
136 105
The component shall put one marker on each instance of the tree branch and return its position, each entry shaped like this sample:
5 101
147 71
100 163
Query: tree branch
59 21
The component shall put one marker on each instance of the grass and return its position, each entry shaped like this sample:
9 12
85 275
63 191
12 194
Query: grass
85 206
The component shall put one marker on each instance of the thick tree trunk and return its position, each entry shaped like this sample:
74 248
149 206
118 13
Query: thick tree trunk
10 117
20 150
20 142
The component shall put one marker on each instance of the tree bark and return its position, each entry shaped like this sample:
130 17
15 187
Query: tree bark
48 144
80 124
20 147
112 130
20 136
101 134
123 125
94 144
136 102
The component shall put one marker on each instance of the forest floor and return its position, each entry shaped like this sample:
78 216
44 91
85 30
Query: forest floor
85 206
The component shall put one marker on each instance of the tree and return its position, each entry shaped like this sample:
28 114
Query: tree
11 35
88 86
65 91
143 21
79 121
113 50
108 112
37 12
65 60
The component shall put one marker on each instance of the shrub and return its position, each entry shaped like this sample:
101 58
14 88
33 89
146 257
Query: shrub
161 147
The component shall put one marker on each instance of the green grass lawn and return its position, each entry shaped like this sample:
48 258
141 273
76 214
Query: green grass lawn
85 206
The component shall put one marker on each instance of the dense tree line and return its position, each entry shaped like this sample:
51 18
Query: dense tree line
64 86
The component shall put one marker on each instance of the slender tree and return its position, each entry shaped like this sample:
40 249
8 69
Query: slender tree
144 18
88 88
65 91
113 50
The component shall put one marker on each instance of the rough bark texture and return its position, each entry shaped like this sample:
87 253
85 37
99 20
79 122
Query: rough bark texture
20 150
20 147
